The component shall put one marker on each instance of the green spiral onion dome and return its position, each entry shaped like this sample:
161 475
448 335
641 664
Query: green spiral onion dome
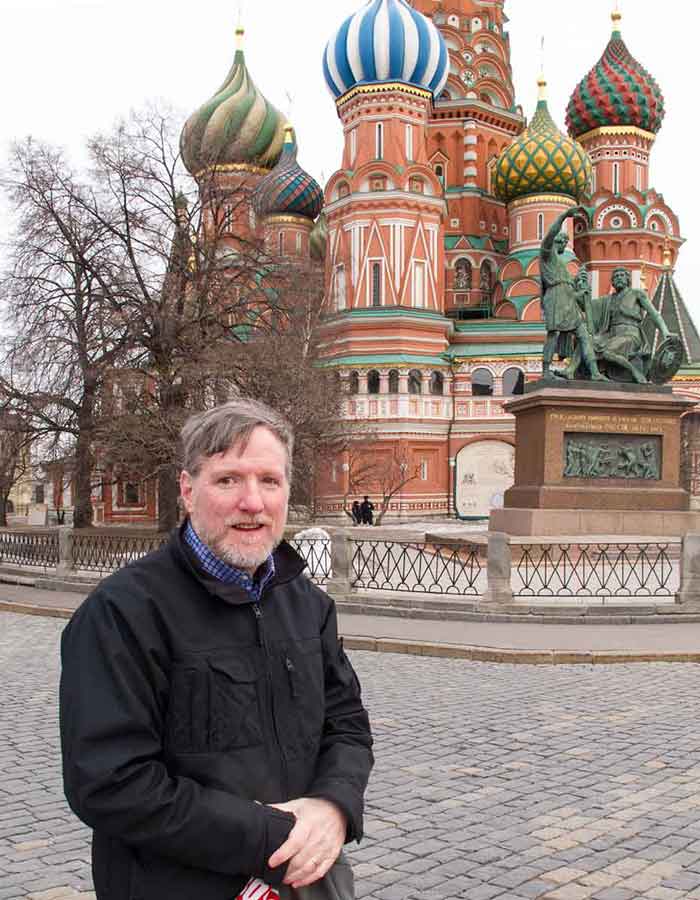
617 91
318 239
542 160
238 126
288 189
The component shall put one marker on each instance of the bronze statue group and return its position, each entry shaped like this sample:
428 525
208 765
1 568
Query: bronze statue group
601 338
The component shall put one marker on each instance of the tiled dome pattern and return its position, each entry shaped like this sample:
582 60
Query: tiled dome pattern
288 189
617 91
542 161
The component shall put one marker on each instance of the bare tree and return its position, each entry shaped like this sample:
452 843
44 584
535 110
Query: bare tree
60 307
382 473
160 305
15 459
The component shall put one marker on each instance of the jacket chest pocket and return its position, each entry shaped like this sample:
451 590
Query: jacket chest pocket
214 707
235 720
304 696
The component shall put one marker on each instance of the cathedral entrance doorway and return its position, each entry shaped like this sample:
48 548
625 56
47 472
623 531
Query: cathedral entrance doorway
483 473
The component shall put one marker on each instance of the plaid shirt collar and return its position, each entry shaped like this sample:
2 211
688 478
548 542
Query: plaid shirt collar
222 571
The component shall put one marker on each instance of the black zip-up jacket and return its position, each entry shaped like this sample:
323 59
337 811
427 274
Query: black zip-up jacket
185 708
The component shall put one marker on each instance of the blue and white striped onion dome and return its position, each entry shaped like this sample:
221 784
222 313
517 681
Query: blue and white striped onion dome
386 41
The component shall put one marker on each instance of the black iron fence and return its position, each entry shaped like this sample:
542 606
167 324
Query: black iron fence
596 571
93 551
29 548
417 568
317 553
546 572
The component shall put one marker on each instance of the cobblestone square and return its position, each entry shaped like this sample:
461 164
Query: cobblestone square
492 781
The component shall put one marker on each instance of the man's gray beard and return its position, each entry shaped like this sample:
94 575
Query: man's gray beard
236 558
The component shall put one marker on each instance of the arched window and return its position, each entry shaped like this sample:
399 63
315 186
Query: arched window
440 173
379 141
486 284
513 382
482 383
415 382
616 178
540 226
393 382
373 382
437 384
463 275
354 383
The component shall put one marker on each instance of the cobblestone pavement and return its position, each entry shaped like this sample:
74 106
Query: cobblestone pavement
491 781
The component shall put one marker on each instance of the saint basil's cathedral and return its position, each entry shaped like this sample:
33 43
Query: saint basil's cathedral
430 229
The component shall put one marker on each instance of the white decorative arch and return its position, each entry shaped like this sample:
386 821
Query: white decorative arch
459 254
617 207
665 218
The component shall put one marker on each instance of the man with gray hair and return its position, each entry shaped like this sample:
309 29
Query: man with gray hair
212 727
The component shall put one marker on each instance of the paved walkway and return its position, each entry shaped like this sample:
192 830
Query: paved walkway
484 641
492 782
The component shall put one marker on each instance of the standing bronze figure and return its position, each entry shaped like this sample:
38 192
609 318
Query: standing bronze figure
562 302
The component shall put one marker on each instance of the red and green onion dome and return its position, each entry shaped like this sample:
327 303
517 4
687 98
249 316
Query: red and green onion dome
542 160
236 128
617 91
288 189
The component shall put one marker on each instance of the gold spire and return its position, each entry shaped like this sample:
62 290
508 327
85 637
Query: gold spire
616 17
288 133
541 80
240 32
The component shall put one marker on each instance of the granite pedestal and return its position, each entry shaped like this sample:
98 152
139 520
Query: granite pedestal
597 458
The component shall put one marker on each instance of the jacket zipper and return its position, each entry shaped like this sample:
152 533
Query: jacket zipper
292 675
262 641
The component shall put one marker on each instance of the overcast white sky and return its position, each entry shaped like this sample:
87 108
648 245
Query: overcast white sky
69 68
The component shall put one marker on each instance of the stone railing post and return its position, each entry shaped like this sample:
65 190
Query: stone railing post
498 587
341 564
65 550
689 593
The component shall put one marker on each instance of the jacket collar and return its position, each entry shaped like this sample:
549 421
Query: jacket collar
288 565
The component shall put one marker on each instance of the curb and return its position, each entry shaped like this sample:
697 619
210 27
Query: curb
516 657
448 651
30 609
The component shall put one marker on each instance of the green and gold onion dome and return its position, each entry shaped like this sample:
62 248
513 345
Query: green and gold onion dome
238 127
542 160
617 92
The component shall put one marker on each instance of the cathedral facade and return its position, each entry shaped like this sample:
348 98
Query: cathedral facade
429 231
435 217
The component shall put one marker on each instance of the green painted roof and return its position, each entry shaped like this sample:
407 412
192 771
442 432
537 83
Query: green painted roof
501 351
669 302
499 326
386 359
388 312
476 242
